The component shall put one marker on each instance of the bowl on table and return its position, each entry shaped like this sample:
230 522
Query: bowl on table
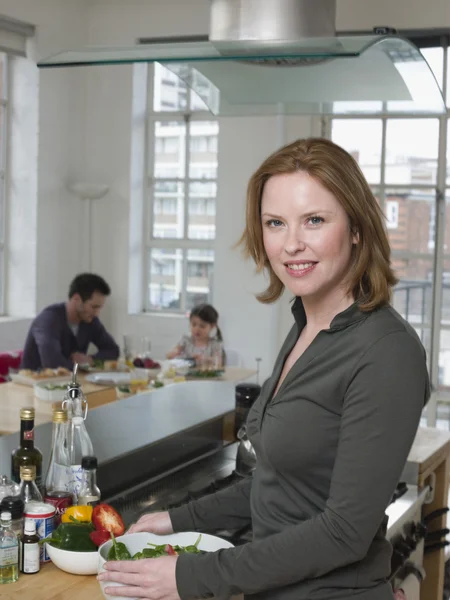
77 563
135 542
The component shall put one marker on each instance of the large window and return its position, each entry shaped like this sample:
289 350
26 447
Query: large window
182 166
3 148
404 160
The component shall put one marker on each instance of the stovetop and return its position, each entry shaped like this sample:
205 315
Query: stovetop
211 474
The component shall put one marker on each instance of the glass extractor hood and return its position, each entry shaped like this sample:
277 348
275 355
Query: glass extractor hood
368 74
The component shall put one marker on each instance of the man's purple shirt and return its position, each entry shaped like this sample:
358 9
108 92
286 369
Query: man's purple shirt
51 342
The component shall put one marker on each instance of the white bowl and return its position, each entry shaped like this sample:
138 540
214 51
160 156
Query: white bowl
135 542
46 395
77 563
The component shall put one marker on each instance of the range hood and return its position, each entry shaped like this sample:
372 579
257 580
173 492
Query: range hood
267 57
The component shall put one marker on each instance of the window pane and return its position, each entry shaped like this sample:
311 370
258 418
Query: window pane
203 149
170 148
410 216
362 139
447 223
168 209
412 295
166 279
444 350
200 266
202 210
435 60
448 152
448 78
411 151
170 92
197 103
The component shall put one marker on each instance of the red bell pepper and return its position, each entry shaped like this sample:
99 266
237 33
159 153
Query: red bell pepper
100 537
106 518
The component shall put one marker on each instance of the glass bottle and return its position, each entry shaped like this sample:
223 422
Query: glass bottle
8 487
9 550
57 481
79 441
29 549
26 454
89 492
28 488
14 505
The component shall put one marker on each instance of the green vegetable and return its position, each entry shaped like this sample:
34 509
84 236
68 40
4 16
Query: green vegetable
118 550
205 374
162 550
72 536
52 386
158 384
97 363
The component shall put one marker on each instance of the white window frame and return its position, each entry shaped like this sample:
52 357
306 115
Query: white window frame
439 190
184 243
4 122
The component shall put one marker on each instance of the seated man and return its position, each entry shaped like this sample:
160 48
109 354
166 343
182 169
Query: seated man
60 335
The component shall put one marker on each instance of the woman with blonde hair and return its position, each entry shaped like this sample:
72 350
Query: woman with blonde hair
326 427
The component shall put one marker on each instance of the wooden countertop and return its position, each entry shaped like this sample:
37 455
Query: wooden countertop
52 584
14 396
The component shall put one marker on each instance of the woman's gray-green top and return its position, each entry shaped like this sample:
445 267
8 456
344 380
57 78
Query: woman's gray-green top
331 446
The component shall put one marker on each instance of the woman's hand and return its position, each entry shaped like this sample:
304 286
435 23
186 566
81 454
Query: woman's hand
152 578
158 523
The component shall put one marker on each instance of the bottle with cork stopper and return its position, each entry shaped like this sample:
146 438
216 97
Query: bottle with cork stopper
28 488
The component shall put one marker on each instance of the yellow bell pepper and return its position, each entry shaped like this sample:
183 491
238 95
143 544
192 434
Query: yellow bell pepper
82 514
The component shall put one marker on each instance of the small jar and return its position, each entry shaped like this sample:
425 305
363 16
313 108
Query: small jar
14 505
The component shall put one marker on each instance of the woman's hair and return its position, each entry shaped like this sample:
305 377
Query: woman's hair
209 314
371 277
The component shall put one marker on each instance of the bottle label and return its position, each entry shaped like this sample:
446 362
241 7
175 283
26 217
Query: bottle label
9 556
61 504
28 435
75 480
30 558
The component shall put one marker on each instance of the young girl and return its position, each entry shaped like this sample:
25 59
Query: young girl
206 350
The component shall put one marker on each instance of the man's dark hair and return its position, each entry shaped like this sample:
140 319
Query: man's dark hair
86 284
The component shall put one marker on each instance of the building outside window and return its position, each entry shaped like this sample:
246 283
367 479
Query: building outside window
182 176
404 158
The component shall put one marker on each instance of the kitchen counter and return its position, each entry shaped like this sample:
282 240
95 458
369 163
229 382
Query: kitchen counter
14 396
52 584
125 426
431 450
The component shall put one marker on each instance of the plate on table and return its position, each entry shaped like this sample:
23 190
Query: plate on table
28 377
135 377
109 378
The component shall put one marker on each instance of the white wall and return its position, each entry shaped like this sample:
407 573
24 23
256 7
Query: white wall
402 14
61 106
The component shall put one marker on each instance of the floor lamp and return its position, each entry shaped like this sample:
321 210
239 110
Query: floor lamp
88 192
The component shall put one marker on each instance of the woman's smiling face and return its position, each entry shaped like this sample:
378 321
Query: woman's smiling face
307 236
